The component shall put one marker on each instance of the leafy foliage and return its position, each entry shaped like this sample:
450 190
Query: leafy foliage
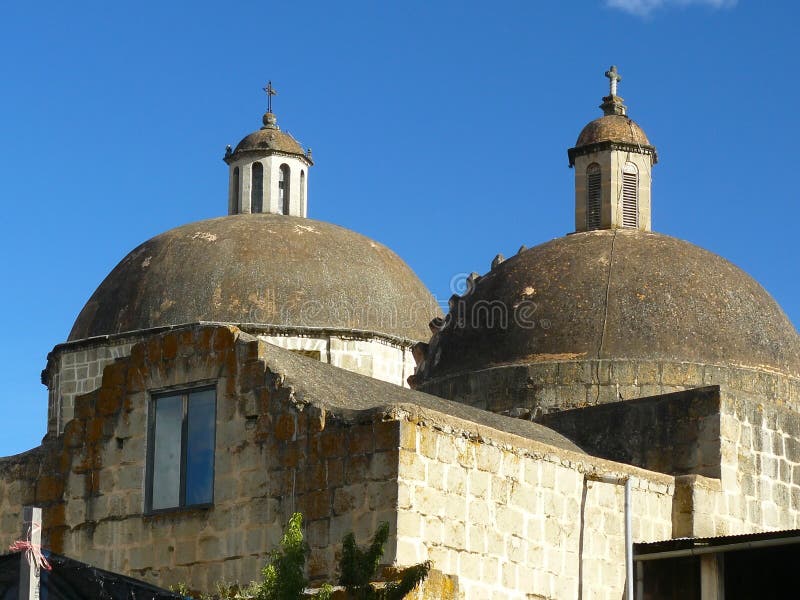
284 577
358 567
284 574
409 578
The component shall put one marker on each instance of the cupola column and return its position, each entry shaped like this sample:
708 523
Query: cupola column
268 170
613 160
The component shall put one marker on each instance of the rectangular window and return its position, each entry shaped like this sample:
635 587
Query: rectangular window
181 449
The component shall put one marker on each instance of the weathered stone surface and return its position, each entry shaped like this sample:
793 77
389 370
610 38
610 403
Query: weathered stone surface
655 300
676 433
260 268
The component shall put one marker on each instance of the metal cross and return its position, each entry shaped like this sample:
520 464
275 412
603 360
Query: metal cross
613 78
271 91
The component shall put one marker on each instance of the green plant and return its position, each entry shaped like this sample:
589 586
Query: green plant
359 567
284 574
284 577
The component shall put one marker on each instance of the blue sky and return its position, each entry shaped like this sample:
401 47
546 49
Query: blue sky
438 128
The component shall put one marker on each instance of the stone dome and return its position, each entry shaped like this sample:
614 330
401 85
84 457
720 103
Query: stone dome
612 128
614 294
260 269
269 139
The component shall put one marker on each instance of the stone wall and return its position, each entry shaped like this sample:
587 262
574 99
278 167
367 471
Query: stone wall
76 368
76 372
274 455
496 512
501 515
759 487
559 385
382 359
24 480
676 433
511 518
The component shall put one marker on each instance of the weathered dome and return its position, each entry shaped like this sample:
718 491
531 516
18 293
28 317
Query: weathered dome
612 128
614 294
261 269
270 139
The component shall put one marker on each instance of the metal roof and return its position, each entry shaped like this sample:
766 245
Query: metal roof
729 543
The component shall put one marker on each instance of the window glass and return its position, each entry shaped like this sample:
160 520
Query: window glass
235 205
167 452
257 188
200 448
284 194
181 465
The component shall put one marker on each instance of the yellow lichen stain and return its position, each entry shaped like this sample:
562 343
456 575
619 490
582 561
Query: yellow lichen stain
216 297
265 301
560 356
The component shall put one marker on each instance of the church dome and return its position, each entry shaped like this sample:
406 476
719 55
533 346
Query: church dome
614 294
612 128
260 269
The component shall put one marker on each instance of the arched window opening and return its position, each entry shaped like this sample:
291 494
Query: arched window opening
302 189
257 188
283 190
235 208
593 197
630 196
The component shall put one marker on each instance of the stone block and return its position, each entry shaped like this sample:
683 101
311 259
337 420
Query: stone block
500 490
430 501
408 436
433 530
446 450
411 466
381 494
478 484
437 475
410 525
383 465
457 480
386 435
488 458
356 469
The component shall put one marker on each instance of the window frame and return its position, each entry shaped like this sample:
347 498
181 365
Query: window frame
185 392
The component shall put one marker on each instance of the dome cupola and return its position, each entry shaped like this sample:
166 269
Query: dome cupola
613 160
611 312
268 170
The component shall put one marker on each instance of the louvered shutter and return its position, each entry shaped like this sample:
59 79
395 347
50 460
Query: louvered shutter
630 196
593 197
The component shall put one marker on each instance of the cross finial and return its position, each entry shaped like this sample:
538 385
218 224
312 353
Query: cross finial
613 78
271 91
